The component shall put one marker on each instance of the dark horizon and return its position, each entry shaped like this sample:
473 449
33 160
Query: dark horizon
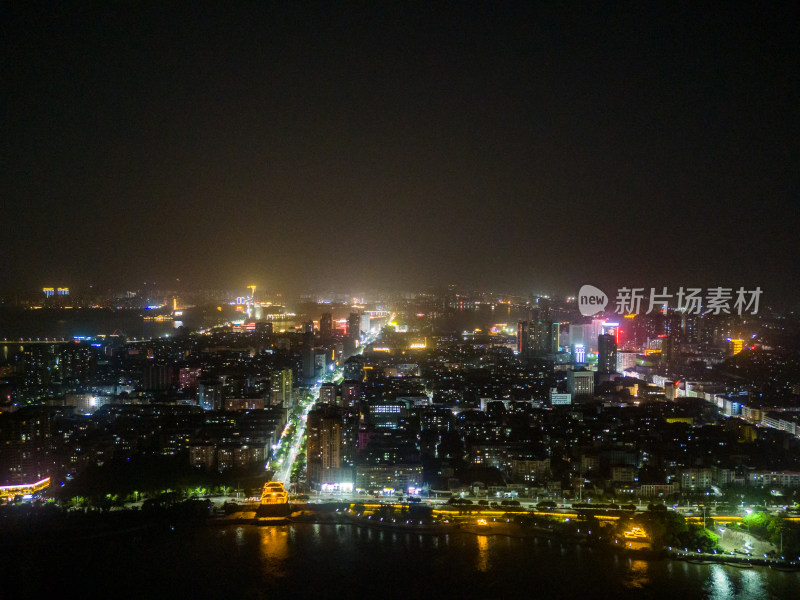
513 147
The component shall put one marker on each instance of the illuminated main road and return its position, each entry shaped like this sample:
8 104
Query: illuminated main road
293 436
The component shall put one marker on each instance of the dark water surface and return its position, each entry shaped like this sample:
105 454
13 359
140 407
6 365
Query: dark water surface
343 561
17 324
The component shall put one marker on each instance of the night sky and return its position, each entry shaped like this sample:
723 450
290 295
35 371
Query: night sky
507 146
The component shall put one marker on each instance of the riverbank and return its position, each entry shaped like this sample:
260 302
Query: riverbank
742 562
60 527
502 527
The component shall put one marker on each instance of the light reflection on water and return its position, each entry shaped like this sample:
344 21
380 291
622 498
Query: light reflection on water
719 586
333 561
301 553
483 553
275 549
753 583
637 577
727 583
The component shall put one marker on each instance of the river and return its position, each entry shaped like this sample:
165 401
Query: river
16 324
346 561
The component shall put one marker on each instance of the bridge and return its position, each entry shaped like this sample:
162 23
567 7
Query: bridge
72 340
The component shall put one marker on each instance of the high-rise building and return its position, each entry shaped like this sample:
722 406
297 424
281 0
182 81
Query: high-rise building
689 327
595 331
396 476
326 325
327 394
523 338
354 325
578 353
324 452
75 361
354 369
626 359
209 394
555 337
308 354
26 440
386 415
579 334
320 363
352 393
237 404
580 383
280 392
540 337
557 398
735 346
537 338
187 378
669 348
157 378
545 335
366 323
264 327
607 353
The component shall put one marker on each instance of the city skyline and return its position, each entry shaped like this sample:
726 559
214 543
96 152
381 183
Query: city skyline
510 147
400 299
